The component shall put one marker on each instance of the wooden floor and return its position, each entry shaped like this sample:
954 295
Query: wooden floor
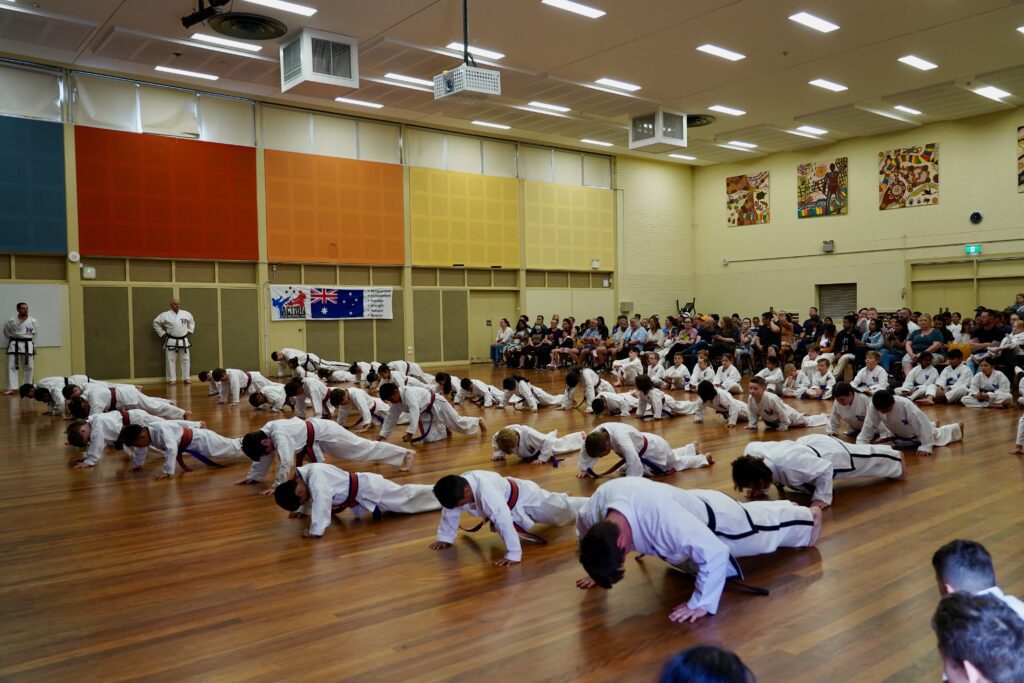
110 575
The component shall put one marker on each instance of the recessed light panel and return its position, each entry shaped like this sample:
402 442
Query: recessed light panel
722 109
811 21
621 85
907 110
576 8
361 103
476 51
828 85
286 7
190 74
596 142
721 52
918 63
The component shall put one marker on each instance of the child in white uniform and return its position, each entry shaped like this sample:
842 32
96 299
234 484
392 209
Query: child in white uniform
822 382
429 413
478 392
922 376
906 422
989 388
656 371
627 369
872 377
851 406
772 375
641 452
677 375
658 403
592 386
953 383
532 397
721 402
532 446
777 415
701 372
728 377
615 404
796 383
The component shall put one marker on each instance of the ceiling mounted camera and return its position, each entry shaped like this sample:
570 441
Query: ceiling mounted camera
205 12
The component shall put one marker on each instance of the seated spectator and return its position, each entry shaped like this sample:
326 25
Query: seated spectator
926 338
500 341
514 348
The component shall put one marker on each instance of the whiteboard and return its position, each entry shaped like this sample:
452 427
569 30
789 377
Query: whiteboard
46 303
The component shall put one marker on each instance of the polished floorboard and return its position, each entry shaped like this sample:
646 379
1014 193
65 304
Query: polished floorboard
110 575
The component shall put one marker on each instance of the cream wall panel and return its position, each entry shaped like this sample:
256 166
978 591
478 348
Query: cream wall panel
463 154
499 159
166 111
380 142
227 120
566 227
286 129
535 164
544 302
597 171
424 148
590 303
28 92
568 168
334 136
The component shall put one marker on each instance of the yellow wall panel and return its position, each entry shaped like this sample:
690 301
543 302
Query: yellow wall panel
568 226
463 218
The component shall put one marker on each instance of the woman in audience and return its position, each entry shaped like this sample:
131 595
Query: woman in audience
964 333
501 341
565 349
655 335
514 348
745 347
727 339
685 338
874 340
591 347
925 339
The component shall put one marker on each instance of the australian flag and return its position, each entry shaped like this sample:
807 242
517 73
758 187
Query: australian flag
333 304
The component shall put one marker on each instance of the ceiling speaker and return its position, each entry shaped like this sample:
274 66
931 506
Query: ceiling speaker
246 26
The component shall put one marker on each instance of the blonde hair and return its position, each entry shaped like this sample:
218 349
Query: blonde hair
873 354
790 368
506 440
825 361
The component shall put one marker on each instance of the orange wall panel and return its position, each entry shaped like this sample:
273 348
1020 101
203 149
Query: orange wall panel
329 210
155 196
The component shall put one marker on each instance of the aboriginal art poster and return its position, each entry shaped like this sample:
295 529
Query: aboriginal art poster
823 188
908 177
747 199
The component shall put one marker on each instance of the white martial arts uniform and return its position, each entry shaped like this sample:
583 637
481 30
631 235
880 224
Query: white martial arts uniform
773 378
104 398
240 382
777 414
310 439
534 445
627 370
104 428
809 366
656 371
429 413
411 370
532 397
917 382
676 525
1020 432
910 426
869 381
480 393
370 408
166 436
659 404
728 379
725 405
619 403
821 386
677 376
330 493
854 414
317 393
276 398
341 377
996 385
592 386
174 330
55 385
19 340
956 382
361 369
811 462
796 386
643 452
698 376
492 494
307 362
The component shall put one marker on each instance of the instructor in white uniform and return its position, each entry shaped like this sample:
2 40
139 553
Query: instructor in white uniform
174 327
19 336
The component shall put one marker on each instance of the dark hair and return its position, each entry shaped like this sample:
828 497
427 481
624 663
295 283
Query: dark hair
727 355
78 408
706 390
256 399
252 445
573 378
644 383
128 436
986 360
293 362
323 373
218 374
954 353
596 443
205 376
706 664
883 399
852 319
354 368
337 396
598 405
372 376
24 389
465 383
444 382
74 437
508 384
982 630
387 391
274 355
285 496
68 390
760 381
293 388
449 490
842 389
964 565
924 355
748 470
600 554
771 360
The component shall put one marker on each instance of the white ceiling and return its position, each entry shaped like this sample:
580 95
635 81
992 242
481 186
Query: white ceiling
552 55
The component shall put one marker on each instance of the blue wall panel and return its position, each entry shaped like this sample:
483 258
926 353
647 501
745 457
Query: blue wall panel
32 200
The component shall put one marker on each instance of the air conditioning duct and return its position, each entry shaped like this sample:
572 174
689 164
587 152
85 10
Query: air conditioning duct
319 64
658 131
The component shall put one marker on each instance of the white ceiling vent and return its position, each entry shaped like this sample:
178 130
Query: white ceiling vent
319 64
659 131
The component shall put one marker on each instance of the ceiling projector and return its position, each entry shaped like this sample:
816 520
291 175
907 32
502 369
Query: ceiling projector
467 80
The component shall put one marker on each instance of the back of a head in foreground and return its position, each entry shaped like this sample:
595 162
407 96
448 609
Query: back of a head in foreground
964 565
980 638
706 664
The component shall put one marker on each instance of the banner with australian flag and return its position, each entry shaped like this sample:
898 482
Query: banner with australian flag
303 302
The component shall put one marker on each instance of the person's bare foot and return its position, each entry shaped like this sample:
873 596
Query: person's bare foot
696 447
188 414
1019 451
961 429
816 533
406 465
188 381
707 456
10 392
925 401
903 471
202 424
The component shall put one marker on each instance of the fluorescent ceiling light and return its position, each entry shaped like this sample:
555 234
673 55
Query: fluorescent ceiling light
828 85
552 107
224 42
534 110
918 63
182 72
596 142
812 130
621 85
1019 28
992 92
575 8
721 52
478 51
361 103
721 108
745 145
409 79
286 7
683 157
811 21
738 149
803 135
488 124
907 110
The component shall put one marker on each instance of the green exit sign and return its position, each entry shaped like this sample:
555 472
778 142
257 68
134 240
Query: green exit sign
972 249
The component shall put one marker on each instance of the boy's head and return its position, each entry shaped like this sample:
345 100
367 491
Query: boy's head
69 391
772 362
372 377
292 494
598 405
823 365
205 376
78 408
219 374
507 440
466 383
750 472
872 359
133 436
338 397
813 350
757 387
702 361
255 445
256 399
925 359
955 357
293 363
323 373
644 383
78 433
293 388
597 444
727 359
677 358
882 400
572 379
706 390
790 370
653 358
986 366
452 491
634 353
389 393
43 395
601 556
276 355
980 639
508 384
707 664
843 393
963 566
27 391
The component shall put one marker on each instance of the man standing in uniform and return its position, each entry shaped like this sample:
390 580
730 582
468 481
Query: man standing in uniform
174 327
20 333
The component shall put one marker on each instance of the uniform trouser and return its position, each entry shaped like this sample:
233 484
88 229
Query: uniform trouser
447 416
995 398
797 392
779 524
916 393
953 394
941 436
348 446
172 363
685 458
408 498
15 360
556 509
805 421
732 387
1020 432
157 406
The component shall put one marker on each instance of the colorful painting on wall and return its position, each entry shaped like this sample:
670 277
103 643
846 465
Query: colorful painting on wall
822 188
746 199
1020 159
908 177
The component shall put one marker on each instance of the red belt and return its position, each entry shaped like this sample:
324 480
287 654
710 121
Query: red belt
307 451
186 441
113 399
248 384
353 492
617 466
125 420
513 499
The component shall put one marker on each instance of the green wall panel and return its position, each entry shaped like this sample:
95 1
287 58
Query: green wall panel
240 311
148 303
455 307
323 337
390 333
358 341
202 304
426 325
106 344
